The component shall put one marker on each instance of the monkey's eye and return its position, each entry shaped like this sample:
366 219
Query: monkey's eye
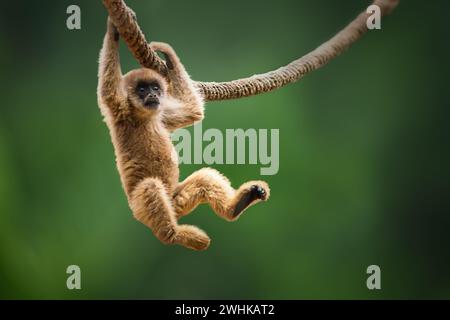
142 87
155 86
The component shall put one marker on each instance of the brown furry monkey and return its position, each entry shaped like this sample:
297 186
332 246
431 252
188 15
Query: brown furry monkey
140 109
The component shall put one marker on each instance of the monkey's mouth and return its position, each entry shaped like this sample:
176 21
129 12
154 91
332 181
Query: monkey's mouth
151 103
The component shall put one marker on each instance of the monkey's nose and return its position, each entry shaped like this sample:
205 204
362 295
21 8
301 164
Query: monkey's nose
151 101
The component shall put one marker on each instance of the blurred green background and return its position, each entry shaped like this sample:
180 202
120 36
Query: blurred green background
364 156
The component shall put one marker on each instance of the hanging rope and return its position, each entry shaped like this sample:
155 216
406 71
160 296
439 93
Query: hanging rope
126 23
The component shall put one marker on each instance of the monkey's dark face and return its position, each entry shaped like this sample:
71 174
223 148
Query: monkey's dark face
146 90
149 93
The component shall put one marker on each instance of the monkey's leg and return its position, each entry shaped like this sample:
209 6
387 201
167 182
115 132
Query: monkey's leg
152 206
209 186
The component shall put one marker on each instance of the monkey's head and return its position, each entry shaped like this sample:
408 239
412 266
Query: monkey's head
145 90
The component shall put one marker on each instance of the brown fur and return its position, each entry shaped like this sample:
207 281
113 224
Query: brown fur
146 158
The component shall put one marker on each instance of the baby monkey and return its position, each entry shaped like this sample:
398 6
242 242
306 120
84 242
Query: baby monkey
141 109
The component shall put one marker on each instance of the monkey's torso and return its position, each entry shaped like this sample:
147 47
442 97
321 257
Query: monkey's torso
144 150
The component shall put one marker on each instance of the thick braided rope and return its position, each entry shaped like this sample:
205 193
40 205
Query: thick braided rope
256 84
131 33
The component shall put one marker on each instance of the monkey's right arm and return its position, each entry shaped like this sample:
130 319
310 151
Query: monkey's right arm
110 74
190 106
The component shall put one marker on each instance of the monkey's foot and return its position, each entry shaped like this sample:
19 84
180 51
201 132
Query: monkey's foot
252 192
257 192
191 237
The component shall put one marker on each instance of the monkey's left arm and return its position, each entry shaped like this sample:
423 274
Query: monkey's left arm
188 105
